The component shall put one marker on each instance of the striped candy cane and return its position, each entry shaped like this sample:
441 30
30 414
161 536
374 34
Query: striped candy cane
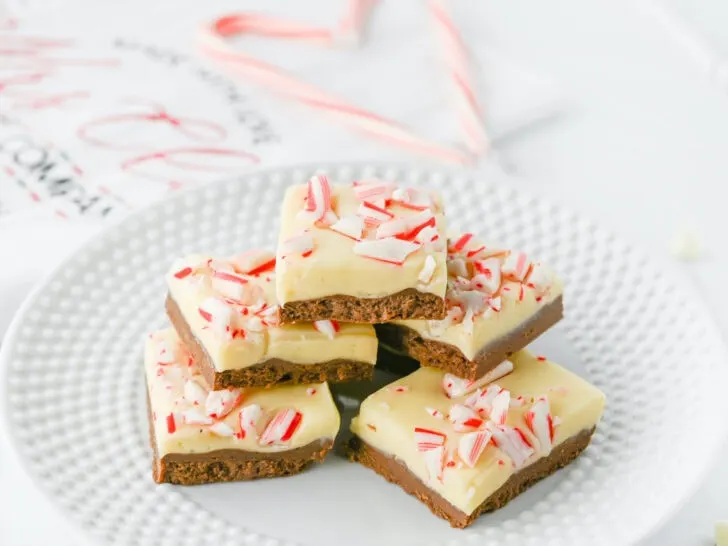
213 41
456 61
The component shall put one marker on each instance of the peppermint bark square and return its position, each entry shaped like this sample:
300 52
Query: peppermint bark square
367 252
225 311
201 436
472 450
498 301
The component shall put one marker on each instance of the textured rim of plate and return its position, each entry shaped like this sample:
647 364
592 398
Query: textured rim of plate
646 527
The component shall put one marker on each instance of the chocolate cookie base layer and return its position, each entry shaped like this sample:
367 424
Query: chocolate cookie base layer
273 372
230 465
449 358
404 305
396 472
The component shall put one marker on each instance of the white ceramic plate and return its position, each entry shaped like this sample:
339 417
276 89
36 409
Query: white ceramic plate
72 365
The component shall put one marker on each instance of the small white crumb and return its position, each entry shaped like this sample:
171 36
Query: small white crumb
686 246
384 405
721 533
469 493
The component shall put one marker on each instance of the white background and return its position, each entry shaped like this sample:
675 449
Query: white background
641 144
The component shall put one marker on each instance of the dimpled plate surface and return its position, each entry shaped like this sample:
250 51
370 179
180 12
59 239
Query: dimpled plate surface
74 392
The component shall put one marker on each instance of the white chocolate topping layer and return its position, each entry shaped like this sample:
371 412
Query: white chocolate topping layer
450 443
490 292
187 418
233 314
368 240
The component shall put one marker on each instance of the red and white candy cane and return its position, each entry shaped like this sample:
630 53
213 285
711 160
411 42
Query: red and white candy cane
213 42
456 60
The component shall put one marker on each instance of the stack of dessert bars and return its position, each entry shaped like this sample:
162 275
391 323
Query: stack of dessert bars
238 386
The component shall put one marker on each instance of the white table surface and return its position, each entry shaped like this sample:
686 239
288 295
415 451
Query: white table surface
642 146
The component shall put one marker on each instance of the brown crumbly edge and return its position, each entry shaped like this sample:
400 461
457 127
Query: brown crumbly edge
273 372
404 305
396 472
449 358
230 465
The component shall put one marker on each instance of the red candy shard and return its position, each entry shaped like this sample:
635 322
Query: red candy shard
472 445
182 273
460 244
388 250
318 201
221 429
219 403
351 226
327 327
516 265
194 416
171 426
512 441
281 428
249 420
373 215
435 462
373 190
428 439
435 413
194 393
540 422
301 244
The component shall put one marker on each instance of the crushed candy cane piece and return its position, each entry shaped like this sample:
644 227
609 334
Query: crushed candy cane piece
182 273
298 245
373 215
540 278
412 198
428 439
281 428
500 406
254 262
460 243
171 425
352 226
435 462
401 388
373 190
406 227
318 201
488 274
435 413
218 313
455 386
194 393
540 423
221 429
472 445
457 267
327 327
219 403
482 400
250 420
512 441
310 391
515 265
464 418
194 416
230 285
428 269
389 250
